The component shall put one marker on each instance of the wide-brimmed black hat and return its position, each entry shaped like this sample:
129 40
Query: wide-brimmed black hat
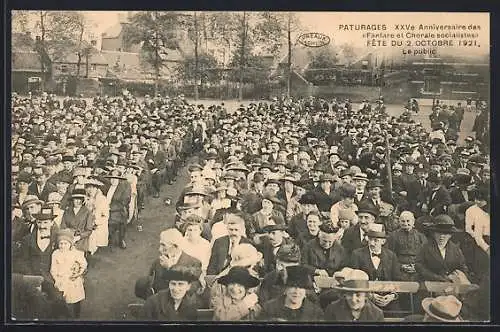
443 224
299 276
308 198
239 275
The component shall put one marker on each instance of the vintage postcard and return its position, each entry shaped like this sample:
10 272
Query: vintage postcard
196 166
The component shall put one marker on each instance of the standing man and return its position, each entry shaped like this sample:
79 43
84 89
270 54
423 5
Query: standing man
118 194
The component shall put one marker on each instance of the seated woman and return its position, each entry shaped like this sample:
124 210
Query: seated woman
441 259
313 221
293 305
196 246
354 305
262 218
236 302
174 303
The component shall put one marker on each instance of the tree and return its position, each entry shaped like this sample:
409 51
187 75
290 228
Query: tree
155 30
349 52
273 31
321 68
58 34
205 72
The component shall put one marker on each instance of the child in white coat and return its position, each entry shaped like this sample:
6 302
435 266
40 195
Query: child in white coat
67 269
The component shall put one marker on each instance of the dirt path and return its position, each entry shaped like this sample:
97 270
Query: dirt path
110 282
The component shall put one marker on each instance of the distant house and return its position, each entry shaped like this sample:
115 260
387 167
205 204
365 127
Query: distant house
26 67
112 39
93 66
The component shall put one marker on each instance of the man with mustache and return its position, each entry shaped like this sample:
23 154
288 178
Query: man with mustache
171 254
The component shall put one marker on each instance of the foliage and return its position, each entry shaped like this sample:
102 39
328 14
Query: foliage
206 66
155 31
321 67
254 69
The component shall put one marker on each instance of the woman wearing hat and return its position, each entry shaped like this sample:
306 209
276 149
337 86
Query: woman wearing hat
118 196
441 259
80 219
98 205
174 303
267 215
354 304
236 302
293 305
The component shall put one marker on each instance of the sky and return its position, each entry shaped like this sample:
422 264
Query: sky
328 23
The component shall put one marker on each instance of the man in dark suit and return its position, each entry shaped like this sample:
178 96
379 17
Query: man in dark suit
324 255
41 187
118 195
276 238
223 246
459 192
355 236
440 198
156 160
171 256
379 263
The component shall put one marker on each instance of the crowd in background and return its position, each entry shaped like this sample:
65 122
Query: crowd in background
280 192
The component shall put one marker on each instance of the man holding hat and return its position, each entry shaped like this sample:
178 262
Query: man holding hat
293 305
174 303
354 304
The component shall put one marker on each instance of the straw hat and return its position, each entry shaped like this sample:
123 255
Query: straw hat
353 281
443 308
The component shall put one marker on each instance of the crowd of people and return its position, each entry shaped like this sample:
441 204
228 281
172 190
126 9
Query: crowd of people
280 193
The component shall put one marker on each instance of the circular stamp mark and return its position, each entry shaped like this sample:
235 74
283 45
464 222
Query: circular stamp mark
314 39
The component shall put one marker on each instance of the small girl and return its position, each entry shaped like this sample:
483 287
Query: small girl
67 268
